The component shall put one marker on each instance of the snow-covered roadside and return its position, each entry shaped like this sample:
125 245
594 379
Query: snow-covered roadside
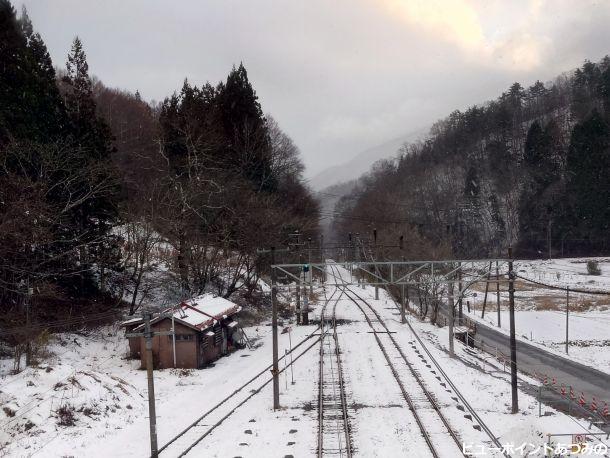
540 317
589 333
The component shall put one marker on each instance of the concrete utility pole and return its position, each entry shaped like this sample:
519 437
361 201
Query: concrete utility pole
513 341
498 291
275 370
28 321
298 293
486 291
451 316
376 255
310 269
460 293
549 238
402 304
322 256
152 415
567 315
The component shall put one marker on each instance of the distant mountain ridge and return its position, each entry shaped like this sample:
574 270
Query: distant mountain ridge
362 162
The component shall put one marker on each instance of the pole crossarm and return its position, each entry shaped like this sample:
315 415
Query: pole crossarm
382 273
381 279
407 276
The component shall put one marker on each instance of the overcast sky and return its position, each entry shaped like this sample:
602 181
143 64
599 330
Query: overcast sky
339 76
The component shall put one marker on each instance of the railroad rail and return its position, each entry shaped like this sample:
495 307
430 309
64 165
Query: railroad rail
425 417
187 439
334 431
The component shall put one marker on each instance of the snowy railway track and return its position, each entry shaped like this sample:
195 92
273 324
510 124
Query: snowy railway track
334 432
186 440
423 405
438 435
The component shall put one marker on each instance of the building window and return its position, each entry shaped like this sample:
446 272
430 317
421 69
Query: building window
182 337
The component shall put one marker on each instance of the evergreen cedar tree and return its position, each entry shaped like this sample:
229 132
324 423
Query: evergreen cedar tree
212 181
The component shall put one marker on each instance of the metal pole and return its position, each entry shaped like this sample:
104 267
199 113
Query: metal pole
275 370
152 416
402 304
513 341
451 313
498 291
567 315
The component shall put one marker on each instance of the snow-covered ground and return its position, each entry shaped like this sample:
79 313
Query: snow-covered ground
540 316
107 394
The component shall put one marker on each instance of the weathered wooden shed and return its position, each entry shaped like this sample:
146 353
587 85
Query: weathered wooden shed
204 329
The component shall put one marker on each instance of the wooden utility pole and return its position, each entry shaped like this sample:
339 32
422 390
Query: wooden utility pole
275 370
513 341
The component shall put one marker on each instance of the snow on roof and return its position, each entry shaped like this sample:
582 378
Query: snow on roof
132 321
202 311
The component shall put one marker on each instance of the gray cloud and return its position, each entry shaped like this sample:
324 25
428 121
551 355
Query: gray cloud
339 76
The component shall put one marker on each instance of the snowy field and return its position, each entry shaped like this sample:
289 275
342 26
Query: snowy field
540 316
107 395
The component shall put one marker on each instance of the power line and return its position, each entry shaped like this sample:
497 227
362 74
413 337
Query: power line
57 324
572 290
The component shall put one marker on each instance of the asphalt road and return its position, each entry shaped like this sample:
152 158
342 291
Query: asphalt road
534 360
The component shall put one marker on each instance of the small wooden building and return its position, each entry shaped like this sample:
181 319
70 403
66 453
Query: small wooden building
204 329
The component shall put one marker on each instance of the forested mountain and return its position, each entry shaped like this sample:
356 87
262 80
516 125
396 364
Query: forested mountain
94 181
361 163
529 169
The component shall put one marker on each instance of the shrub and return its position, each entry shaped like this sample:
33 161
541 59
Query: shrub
593 268
65 415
